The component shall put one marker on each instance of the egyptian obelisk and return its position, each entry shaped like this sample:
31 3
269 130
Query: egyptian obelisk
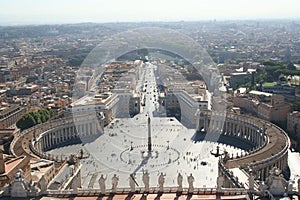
149 136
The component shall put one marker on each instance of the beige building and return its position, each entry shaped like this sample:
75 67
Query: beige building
118 104
10 165
41 168
271 107
6 136
182 105
293 123
10 114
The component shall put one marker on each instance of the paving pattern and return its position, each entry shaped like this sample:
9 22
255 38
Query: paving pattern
123 149
109 153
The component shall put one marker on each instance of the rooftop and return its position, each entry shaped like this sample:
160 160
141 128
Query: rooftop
260 93
13 163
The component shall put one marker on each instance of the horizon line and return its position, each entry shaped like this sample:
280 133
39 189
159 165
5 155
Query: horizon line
11 24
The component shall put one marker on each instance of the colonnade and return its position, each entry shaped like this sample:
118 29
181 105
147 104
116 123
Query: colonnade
263 172
270 143
67 131
233 125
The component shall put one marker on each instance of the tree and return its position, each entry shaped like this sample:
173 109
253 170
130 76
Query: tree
43 116
33 118
291 66
26 121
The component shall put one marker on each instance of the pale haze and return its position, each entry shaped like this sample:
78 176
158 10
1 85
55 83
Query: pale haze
15 12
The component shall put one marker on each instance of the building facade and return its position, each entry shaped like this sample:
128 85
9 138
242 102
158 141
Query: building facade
270 107
293 123
9 115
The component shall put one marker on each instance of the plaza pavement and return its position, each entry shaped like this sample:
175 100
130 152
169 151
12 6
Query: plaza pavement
122 149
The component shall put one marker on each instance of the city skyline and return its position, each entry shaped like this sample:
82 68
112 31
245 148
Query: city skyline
149 110
18 12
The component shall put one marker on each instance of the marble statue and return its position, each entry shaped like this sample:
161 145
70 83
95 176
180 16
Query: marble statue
33 190
179 182
262 187
115 181
75 184
102 184
191 180
146 179
271 175
290 186
276 182
251 182
220 182
161 181
132 182
19 187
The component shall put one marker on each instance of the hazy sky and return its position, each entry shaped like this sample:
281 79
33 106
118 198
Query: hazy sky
74 11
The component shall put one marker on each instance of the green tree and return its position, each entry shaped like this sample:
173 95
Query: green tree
26 121
33 118
43 116
291 66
